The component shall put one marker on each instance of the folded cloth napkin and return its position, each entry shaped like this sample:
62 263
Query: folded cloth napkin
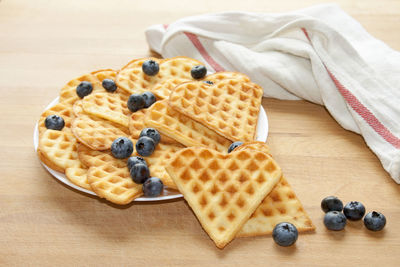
320 54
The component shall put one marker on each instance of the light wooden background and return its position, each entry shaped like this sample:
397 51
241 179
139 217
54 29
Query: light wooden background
43 44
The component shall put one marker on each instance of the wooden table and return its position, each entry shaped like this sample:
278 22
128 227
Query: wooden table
43 44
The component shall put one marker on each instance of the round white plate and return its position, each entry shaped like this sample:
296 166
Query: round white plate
261 135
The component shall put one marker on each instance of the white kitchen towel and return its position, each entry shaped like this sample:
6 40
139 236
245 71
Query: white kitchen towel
320 54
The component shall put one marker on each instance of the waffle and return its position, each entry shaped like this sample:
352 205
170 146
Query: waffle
68 94
109 177
255 145
136 125
183 129
163 89
112 107
159 160
224 75
230 107
78 176
223 190
97 133
131 78
58 149
281 205
60 109
93 158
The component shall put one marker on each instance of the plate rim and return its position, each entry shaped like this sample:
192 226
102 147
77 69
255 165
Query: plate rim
260 136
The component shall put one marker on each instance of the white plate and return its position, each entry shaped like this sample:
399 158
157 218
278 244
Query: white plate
261 135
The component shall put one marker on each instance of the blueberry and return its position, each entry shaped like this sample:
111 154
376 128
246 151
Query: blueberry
152 133
374 221
121 147
331 203
153 187
285 234
198 72
150 67
109 85
149 99
234 145
84 89
335 220
140 173
354 210
145 146
54 122
135 102
208 82
132 161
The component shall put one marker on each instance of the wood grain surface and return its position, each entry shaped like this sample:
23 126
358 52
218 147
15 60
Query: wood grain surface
43 44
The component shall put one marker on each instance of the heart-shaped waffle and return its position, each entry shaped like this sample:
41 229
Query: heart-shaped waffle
223 190
58 150
132 79
159 159
112 107
109 177
95 132
182 128
281 205
60 109
68 94
137 124
230 107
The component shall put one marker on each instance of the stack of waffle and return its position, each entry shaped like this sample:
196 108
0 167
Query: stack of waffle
242 193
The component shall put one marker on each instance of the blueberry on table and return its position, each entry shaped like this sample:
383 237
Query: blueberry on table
145 146
335 220
354 210
331 203
122 147
153 187
54 122
152 133
132 161
234 145
140 173
150 67
149 99
285 234
84 89
109 85
198 72
135 102
374 221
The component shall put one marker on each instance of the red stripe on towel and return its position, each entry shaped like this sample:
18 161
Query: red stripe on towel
361 110
203 52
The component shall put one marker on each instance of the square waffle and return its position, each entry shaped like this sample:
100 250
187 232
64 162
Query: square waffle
223 190
230 107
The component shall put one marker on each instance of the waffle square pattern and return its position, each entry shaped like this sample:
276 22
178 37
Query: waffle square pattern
223 190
